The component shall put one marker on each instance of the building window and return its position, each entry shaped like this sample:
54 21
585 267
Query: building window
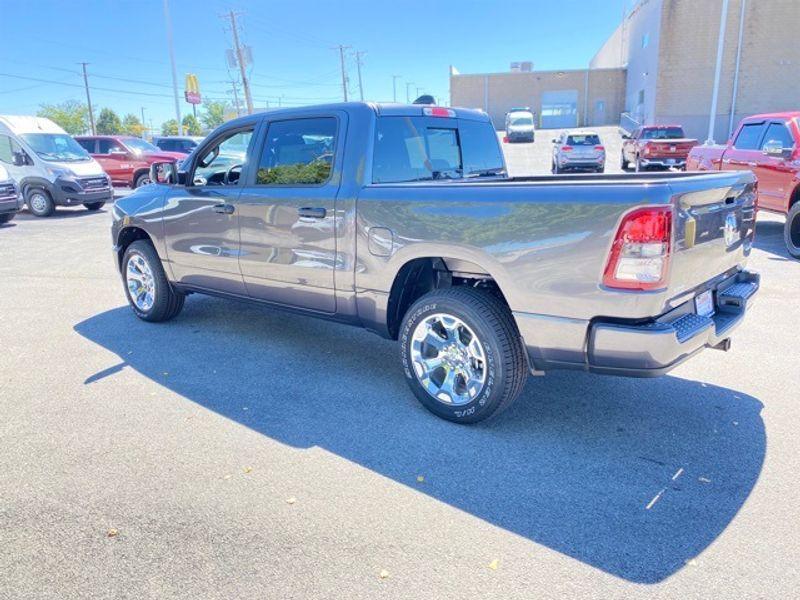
600 106
645 40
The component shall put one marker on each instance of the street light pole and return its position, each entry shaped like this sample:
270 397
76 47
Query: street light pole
408 85
144 127
394 87
712 117
171 48
88 98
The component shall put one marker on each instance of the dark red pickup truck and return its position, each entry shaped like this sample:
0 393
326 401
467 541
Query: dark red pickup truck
769 146
664 146
126 159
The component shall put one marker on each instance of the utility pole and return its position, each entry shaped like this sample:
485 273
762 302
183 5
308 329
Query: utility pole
235 97
144 127
712 116
358 66
344 74
88 98
394 87
418 90
408 85
240 59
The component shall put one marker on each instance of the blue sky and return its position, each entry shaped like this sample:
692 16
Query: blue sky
292 44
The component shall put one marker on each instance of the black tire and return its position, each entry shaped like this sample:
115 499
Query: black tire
506 365
39 201
791 231
167 302
94 205
6 217
141 179
624 164
637 165
601 169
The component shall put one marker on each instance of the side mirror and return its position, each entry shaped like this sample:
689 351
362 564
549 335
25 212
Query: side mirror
775 148
505 139
20 160
164 172
554 141
118 152
625 136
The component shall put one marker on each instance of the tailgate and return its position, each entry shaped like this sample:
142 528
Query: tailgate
677 148
714 228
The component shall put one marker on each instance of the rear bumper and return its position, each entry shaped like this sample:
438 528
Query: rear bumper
521 135
593 163
643 349
663 162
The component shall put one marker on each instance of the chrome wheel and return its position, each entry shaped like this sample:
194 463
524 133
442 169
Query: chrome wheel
449 359
141 286
37 202
142 181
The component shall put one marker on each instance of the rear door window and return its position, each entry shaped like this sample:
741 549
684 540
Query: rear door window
749 136
106 146
298 152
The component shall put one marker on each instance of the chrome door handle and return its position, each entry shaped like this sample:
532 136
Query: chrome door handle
225 209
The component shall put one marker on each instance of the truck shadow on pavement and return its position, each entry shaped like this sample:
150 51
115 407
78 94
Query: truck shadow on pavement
634 477
769 238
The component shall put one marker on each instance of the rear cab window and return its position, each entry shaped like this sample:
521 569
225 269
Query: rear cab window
432 148
662 133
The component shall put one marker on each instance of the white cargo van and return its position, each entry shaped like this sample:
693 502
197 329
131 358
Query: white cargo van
10 200
51 169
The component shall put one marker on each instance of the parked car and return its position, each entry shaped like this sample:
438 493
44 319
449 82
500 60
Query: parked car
664 146
50 168
578 151
126 158
402 220
10 199
520 126
177 143
769 146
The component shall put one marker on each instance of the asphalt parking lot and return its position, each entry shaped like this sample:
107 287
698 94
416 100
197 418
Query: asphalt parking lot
237 452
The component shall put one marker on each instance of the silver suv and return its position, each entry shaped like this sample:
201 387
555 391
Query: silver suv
578 151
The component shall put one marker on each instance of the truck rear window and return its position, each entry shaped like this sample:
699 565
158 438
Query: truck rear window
662 133
428 149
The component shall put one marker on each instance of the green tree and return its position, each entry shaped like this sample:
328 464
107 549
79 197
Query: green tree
72 116
132 125
191 125
170 127
108 123
213 114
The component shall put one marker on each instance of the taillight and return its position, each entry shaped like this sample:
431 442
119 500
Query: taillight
600 148
566 148
646 149
639 256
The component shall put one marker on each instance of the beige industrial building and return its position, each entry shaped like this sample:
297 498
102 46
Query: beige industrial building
659 67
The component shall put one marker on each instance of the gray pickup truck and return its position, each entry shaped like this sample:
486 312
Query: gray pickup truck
402 220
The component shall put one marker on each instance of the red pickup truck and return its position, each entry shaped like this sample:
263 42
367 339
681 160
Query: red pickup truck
126 159
662 146
769 146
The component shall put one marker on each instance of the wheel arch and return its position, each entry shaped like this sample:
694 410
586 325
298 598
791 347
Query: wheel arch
137 172
126 237
422 274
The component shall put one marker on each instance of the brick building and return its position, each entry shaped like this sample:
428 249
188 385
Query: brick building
658 66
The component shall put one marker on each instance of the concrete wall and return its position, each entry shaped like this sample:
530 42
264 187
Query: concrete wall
643 23
497 93
769 70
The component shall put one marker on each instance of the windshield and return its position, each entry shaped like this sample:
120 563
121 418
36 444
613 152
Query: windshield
139 145
583 140
57 147
662 133
521 121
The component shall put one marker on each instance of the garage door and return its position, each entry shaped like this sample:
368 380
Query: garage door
559 109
